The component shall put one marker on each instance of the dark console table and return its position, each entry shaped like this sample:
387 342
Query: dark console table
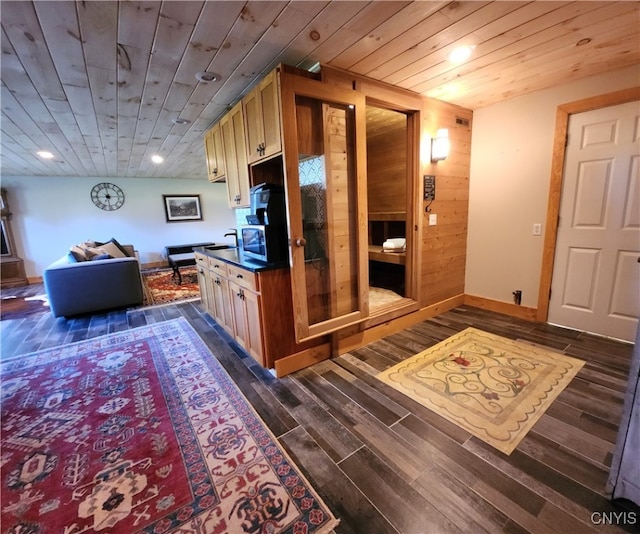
181 256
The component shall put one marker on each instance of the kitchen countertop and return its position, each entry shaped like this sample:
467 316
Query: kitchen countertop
234 256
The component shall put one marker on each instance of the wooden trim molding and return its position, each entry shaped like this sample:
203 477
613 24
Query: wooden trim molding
563 113
300 360
507 308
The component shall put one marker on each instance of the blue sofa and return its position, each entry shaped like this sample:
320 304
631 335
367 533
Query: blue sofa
80 287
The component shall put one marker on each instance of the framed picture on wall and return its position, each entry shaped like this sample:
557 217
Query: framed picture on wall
182 208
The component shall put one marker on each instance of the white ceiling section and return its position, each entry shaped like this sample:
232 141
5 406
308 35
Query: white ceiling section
100 83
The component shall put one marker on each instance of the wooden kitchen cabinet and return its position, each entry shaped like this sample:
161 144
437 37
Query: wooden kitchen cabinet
216 170
220 308
252 308
244 293
262 118
204 282
230 295
235 157
246 320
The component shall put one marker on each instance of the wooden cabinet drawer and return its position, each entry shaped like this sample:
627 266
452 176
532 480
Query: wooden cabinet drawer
202 260
243 278
218 266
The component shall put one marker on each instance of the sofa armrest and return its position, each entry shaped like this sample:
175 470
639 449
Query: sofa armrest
83 287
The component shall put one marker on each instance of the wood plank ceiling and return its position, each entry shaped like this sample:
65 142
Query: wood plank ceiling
99 83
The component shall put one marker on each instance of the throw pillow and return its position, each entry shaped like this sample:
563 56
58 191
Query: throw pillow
92 252
104 256
113 250
79 251
117 245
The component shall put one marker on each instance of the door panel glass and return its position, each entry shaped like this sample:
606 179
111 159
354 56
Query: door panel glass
328 200
327 206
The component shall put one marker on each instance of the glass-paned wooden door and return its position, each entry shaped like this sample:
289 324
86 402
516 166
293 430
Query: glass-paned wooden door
325 160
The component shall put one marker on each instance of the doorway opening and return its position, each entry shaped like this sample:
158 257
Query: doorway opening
389 208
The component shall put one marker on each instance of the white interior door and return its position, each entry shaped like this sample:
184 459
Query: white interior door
596 275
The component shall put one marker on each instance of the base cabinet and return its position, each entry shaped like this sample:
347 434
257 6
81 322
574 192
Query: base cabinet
231 296
252 308
246 320
204 283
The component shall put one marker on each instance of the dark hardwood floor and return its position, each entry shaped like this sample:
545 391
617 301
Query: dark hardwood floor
384 463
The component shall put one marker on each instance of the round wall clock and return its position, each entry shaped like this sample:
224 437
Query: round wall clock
107 196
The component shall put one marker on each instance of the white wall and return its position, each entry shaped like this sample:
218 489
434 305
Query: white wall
50 214
511 151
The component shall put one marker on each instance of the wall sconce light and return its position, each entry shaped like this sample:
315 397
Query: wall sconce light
440 145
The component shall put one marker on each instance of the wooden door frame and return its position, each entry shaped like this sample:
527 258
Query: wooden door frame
563 113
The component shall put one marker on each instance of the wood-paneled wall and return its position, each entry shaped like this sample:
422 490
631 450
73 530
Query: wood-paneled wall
444 245
386 163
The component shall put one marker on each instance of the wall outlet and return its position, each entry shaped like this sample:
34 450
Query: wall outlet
433 219
537 229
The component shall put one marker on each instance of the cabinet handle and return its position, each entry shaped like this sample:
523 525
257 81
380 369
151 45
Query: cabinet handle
215 172
239 276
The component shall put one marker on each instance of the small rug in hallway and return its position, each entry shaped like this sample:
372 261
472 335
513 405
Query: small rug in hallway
142 431
21 307
160 287
493 387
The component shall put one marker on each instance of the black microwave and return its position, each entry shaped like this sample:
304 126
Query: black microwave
266 243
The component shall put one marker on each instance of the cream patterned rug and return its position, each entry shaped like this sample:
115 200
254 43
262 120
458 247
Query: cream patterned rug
493 387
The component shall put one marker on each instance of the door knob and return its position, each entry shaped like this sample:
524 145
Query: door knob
301 242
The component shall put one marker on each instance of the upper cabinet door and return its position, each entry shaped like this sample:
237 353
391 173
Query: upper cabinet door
215 156
325 158
235 157
262 115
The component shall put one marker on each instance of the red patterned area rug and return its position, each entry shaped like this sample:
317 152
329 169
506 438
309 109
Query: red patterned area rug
160 287
142 431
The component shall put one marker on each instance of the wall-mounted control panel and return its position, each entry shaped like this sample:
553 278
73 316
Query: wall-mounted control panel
429 187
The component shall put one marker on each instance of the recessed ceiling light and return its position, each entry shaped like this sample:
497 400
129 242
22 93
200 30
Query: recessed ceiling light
180 120
206 77
45 154
157 159
460 54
